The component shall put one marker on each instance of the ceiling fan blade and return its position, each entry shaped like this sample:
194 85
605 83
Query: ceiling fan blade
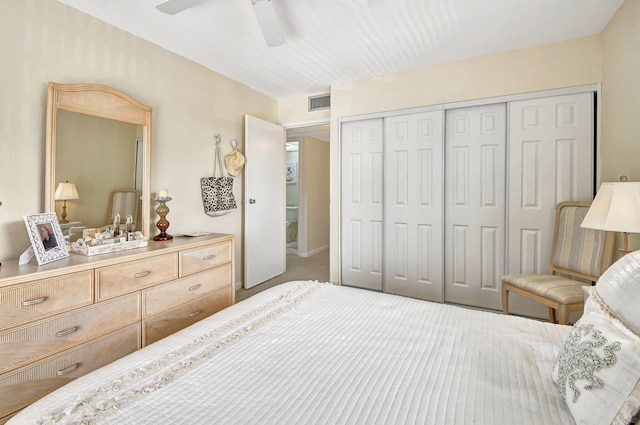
268 21
171 7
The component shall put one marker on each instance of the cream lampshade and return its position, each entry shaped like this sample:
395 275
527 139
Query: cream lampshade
616 208
64 192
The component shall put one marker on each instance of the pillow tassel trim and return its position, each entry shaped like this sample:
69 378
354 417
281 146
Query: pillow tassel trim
593 293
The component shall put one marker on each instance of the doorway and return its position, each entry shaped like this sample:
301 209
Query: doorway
311 177
307 205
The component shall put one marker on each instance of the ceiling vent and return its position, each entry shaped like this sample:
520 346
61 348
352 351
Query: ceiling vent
322 101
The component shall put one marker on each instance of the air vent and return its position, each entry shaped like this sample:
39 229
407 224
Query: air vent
319 102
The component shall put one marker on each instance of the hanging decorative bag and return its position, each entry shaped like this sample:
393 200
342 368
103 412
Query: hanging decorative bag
217 191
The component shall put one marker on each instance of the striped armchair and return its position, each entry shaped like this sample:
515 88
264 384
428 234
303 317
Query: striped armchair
124 203
578 256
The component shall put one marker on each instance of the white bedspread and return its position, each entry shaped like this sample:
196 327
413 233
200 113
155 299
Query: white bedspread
313 353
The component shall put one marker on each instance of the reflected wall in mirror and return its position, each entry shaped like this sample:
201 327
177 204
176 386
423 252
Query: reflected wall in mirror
99 139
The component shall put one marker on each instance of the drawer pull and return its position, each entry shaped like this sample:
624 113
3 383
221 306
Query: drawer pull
194 287
209 257
142 274
67 369
67 332
34 301
195 313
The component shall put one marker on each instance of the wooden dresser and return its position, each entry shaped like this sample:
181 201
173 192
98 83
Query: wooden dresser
64 319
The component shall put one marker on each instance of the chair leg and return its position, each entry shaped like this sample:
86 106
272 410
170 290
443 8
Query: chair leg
552 315
564 313
505 300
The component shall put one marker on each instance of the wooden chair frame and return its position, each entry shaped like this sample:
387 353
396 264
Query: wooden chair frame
563 310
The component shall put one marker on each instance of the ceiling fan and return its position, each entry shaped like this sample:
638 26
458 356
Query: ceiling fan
263 9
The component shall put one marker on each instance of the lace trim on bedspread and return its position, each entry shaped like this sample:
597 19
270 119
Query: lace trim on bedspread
107 399
593 293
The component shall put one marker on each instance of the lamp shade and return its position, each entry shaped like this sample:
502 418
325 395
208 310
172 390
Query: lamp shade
66 191
616 208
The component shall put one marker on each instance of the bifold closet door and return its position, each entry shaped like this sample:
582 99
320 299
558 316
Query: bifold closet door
413 256
361 229
551 160
475 204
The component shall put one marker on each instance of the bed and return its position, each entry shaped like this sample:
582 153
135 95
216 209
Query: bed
307 352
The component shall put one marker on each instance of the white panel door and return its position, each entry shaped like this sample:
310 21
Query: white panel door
550 161
413 205
264 201
475 204
361 231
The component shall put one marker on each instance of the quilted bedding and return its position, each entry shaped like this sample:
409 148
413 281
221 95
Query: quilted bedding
316 353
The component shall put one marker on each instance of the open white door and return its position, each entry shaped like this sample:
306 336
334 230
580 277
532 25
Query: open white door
264 201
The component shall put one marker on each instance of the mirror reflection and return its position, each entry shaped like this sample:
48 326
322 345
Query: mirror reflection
99 156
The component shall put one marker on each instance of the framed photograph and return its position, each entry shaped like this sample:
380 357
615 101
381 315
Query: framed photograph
46 237
292 172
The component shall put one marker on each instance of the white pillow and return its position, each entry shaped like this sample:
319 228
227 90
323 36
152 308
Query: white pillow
619 288
598 368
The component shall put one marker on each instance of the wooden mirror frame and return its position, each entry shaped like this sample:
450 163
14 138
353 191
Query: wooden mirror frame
99 101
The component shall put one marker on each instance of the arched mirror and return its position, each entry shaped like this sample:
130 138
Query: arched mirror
98 141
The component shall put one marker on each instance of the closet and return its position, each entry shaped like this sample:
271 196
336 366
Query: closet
439 203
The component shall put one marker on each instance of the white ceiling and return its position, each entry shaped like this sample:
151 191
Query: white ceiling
336 41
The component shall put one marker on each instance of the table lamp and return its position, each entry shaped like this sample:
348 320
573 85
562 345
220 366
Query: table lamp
616 208
64 192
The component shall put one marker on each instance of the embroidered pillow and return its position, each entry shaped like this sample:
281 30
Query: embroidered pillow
598 368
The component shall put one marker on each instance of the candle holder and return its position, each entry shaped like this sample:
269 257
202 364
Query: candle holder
163 223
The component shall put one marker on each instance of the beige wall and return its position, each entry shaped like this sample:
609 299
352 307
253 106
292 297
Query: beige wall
570 63
43 40
314 166
621 98
295 109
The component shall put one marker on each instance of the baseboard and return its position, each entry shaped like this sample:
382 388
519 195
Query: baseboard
312 252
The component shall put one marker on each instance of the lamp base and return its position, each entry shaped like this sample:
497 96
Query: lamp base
63 216
625 244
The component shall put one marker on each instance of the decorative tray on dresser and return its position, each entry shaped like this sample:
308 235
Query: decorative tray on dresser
64 319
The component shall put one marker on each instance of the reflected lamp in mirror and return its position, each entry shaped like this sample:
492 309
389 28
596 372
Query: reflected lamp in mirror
616 208
64 192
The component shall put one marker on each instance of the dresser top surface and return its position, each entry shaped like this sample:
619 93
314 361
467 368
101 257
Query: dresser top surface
12 273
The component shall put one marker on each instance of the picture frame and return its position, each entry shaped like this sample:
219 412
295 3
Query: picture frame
47 240
292 172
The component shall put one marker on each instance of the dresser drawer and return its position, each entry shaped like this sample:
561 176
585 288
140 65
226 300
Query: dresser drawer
135 275
25 386
200 259
38 299
171 321
46 337
171 294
